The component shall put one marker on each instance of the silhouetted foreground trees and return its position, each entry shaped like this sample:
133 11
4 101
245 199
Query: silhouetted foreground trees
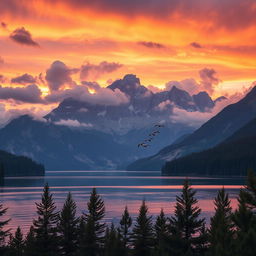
53 233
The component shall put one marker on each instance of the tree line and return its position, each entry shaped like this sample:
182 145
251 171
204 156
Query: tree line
184 233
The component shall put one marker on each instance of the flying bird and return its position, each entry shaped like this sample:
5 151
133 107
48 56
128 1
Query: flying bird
149 139
159 125
143 145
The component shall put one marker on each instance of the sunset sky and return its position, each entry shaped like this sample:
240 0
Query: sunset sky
102 40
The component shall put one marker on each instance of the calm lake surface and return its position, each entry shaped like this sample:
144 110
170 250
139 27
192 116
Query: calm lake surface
118 188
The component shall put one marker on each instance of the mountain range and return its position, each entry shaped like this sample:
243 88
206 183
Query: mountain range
79 134
235 156
215 131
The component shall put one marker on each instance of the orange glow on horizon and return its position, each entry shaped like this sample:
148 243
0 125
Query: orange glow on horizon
76 35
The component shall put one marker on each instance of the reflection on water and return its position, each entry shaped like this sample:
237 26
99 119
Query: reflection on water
118 188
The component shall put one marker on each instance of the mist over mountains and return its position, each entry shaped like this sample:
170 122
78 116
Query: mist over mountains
216 130
91 133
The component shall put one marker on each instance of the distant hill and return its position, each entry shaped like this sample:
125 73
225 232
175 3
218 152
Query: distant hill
210 134
12 165
232 157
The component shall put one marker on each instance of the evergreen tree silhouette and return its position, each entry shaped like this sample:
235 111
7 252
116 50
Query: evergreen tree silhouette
245 223
125 225
221 231
143 233
30 243
186 223
161 235
113 245
46 225
3 233
249 193
68 228
16 244
93 229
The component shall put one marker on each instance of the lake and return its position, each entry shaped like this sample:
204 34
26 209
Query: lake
118 189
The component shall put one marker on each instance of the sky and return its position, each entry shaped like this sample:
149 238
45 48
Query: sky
48 47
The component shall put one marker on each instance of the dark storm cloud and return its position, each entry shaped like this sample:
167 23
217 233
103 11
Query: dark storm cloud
58 75
28 94
24 79
94 71
23 36
151 44
196 45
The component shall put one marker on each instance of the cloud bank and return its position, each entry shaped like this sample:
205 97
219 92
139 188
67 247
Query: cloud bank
93 71
28 94
24 79
73 123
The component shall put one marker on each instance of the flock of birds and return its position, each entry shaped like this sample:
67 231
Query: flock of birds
151 136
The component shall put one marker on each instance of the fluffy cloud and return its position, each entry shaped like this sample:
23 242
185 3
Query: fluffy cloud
58 75
6 115
73 123
193 119
24 79
164 105
1 60
196 119
207 83
151 44
23 36
28 94
101 96
93 71
190 85
208 79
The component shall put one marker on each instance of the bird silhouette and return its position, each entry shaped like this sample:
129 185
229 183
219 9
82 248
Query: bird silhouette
159 125
150 136
143 145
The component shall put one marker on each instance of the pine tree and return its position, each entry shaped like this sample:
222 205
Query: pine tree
46 225
161 235
3 233
113 245
16 244
250 190
143 233
125 225
68 228
186 224
221 229
30 243
245 223
92 235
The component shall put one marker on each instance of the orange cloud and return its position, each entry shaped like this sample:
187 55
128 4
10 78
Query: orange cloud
157 40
